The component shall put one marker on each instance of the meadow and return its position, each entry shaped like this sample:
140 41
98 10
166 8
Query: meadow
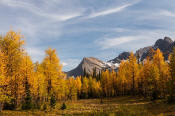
118 106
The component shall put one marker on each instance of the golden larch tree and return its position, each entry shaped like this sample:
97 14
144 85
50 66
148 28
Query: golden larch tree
54 77
11 46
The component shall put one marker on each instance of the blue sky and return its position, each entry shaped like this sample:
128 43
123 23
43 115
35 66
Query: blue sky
83 28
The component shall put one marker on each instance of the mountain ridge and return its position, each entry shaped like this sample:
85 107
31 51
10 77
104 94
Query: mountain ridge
90 63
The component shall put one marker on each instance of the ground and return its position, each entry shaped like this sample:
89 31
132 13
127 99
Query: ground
120 106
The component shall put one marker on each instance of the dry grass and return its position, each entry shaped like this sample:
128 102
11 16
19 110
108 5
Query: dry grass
120 106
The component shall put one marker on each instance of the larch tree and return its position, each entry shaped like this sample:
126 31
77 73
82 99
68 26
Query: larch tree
158 60
3 84
52 70
38 86
27 71
90 87
85 87
171 83
133 72
145 78
105 83
114 82
122 78
71 89
78 85
11 46
154 81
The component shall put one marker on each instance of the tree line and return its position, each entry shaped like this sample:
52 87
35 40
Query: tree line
26 85
152 78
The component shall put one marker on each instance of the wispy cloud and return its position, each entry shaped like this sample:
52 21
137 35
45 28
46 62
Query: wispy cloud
40 11
137 39
112 10
113 42
167 13
109 11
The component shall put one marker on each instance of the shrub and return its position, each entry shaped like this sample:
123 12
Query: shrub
171 99
52 101
27 105
44 107
9 105
63 107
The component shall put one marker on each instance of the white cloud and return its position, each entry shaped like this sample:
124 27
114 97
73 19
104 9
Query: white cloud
109 11
167 13
112 10
113 42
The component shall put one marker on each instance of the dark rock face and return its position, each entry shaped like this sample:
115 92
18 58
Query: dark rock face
122 56
165 45
149 53
89 64
142 53
168 39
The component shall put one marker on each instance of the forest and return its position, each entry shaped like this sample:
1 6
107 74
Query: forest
32 85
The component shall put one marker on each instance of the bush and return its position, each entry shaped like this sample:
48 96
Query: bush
63 107
36 106
171 99
154 95
9 105
27 105
44 107
52 101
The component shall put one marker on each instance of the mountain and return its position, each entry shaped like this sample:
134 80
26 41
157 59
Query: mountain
165 45
90 63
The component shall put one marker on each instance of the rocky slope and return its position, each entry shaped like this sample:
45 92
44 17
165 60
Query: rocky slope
89 64
120 57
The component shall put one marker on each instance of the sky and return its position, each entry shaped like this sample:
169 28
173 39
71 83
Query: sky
85 28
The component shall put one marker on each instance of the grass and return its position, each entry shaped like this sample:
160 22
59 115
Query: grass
119 106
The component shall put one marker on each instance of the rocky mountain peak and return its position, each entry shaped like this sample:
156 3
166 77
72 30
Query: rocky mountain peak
89 64
124 55
168 39
163 44
91 60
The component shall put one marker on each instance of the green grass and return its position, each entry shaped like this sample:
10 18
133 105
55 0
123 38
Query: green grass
119 106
